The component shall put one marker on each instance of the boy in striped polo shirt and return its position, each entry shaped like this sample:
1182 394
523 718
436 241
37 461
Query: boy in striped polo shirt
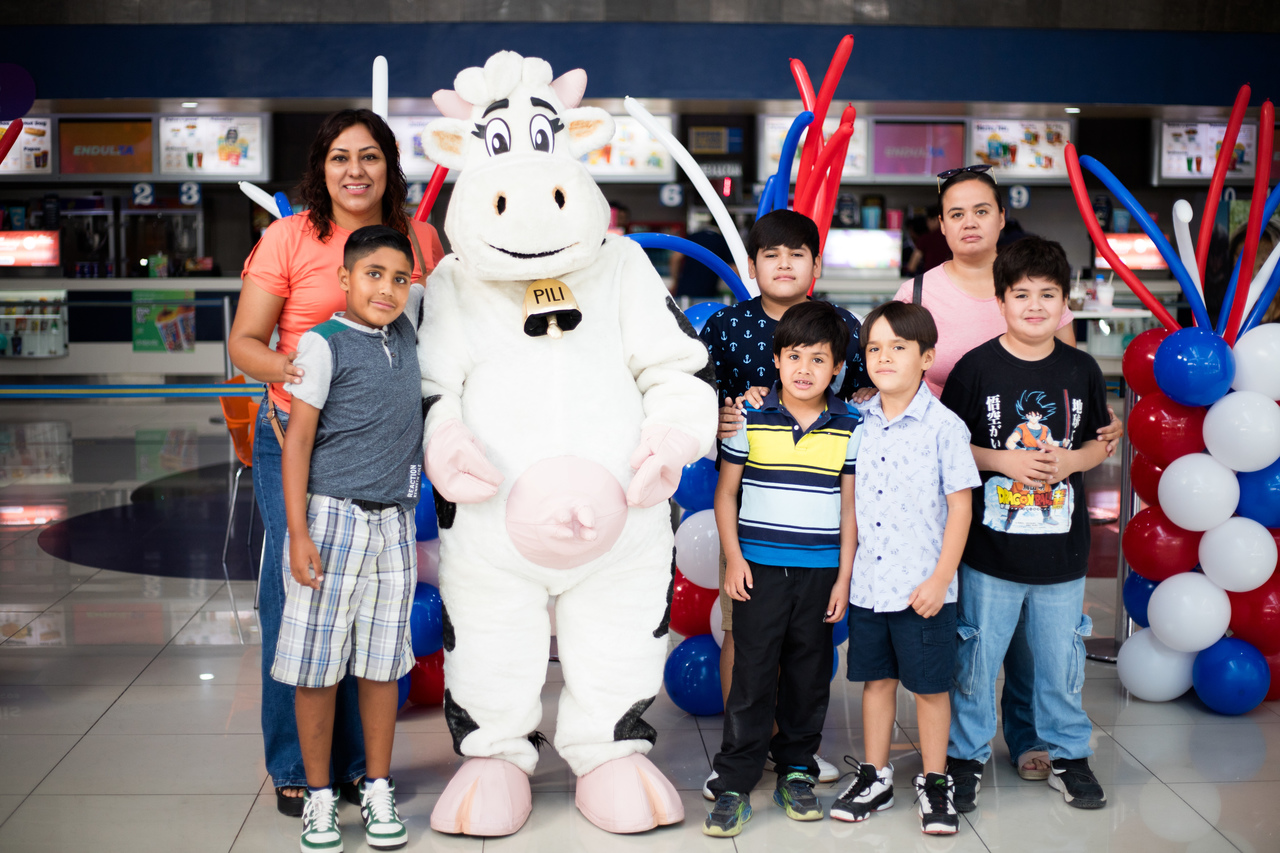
789 554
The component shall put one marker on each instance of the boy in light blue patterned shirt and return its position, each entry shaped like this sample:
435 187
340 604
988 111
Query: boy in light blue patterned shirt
913 508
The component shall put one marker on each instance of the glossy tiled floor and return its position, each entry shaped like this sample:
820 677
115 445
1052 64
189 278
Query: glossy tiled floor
129 711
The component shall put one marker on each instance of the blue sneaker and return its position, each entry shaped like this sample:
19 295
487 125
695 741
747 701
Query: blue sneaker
728 815
795 794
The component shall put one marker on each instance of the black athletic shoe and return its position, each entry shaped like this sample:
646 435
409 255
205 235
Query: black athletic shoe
1077 783
935 796
795 794
966 775
728 815
870 791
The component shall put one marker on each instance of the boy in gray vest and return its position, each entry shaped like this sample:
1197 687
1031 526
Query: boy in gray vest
352 469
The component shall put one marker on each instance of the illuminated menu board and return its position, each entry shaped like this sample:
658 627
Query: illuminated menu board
918 149
231 147
773 132
633 155
1021 148
32 153
91 147
1190 150
408 131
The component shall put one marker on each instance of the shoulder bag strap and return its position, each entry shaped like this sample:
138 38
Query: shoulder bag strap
917 290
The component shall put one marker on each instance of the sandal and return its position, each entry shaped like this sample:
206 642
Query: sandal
1033 765
290 806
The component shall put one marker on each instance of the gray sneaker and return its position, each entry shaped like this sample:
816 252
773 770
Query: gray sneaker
383 828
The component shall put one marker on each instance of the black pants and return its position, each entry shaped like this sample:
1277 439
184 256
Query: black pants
781 670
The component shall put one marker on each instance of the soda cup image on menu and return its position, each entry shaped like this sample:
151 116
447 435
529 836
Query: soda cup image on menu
169 323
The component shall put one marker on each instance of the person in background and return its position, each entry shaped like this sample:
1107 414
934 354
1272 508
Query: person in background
695 279
1269 241
290 284
961 295
931 247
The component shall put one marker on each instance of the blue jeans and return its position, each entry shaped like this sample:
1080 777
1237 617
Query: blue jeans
279 725
990 612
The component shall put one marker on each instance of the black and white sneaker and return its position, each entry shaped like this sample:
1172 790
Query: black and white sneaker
935 795
1077 783
870 791
966 776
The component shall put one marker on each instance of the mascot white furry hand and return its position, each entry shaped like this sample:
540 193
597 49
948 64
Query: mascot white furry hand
565 393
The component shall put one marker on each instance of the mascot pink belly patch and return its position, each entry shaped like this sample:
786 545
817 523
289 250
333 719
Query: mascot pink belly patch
563 398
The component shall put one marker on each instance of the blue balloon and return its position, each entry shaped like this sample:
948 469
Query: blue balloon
652 240
699 314
840 630
282 204
1260 494
402 689
697 489
1194 367
1231 676
1137 592
692 676
426 621
424 514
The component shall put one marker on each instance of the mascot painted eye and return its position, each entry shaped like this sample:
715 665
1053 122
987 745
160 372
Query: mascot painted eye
541 134
497 137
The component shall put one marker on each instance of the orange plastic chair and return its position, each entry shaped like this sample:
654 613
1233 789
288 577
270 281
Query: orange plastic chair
239 414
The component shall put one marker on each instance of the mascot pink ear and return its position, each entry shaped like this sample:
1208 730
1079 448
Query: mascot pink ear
570 87
451 104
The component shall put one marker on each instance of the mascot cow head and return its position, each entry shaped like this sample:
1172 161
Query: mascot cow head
524 206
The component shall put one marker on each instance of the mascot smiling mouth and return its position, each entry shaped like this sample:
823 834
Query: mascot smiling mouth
524 257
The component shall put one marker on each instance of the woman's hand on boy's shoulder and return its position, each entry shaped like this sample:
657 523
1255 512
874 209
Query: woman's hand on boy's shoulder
731 418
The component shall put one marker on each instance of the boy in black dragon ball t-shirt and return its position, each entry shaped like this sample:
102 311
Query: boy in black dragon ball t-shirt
1033 406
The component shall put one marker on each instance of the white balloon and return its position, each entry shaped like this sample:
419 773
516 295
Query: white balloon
1238 555
1242 431
1151 670
698 549
717 622
429 562
1198 492
1258 361
1188 612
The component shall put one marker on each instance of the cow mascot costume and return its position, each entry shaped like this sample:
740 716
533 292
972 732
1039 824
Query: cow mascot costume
564 394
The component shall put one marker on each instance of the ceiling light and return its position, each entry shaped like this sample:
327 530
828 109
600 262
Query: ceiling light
206 676
1072 110
190 105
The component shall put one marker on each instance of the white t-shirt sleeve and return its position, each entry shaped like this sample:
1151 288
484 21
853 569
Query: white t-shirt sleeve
316 361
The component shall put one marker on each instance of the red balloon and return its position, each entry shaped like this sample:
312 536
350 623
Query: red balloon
1138 364
1156 548
426 680
1273 662
1163 430
691 607
1145 475
1255 616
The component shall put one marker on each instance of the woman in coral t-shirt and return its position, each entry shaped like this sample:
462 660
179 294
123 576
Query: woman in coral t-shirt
961 296
353 179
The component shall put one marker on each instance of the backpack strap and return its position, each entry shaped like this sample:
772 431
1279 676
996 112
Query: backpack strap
917 290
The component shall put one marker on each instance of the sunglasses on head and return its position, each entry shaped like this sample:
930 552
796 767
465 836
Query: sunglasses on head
981 168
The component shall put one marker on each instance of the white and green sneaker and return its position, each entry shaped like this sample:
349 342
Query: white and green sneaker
320 832
383 828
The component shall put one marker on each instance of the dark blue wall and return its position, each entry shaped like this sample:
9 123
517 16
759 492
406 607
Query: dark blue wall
734 61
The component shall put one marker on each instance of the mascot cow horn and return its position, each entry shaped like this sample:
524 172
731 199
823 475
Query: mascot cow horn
552 456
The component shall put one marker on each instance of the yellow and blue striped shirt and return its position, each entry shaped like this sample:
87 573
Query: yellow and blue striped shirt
790 513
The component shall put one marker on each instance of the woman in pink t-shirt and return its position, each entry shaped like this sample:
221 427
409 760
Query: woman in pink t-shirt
961 295
353 179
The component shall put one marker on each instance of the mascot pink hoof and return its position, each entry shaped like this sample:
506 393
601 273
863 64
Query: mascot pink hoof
628 795
486 797
564 512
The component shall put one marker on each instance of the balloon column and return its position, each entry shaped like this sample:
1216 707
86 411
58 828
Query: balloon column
692 674
1207 435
